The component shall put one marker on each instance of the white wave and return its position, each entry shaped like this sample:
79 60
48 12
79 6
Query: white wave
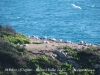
18 17
92 5
75 6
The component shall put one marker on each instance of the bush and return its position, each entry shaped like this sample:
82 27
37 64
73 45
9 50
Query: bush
10 35
9 28
5 57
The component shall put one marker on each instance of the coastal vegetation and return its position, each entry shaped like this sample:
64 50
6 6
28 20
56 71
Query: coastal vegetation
15 61
9 34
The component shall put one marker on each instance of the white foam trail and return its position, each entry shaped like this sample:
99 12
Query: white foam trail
75 6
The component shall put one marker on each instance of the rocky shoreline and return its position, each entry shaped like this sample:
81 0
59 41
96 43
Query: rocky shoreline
47 46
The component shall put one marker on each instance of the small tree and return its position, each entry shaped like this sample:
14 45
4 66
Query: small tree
10 29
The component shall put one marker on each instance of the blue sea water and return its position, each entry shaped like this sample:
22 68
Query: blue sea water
54 18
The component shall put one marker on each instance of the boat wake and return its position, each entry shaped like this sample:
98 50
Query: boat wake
75 6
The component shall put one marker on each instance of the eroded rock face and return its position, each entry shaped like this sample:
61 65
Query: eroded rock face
60 53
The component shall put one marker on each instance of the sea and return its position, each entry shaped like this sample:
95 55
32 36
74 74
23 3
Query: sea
75 20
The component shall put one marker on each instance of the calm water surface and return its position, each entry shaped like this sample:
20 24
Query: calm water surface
54 18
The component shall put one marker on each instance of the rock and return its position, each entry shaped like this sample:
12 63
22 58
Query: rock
25 45
52 39
68 41
82 43
61 54
60 40
46 42
76 65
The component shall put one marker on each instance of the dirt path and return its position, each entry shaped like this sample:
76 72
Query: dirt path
47 46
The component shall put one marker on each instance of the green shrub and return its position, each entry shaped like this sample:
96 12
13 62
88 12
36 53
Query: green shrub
90 49
62 73
10 35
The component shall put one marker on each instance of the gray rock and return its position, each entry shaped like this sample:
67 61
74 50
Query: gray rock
76 65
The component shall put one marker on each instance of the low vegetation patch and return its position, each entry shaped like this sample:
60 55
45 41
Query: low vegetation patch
10 35
37 42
